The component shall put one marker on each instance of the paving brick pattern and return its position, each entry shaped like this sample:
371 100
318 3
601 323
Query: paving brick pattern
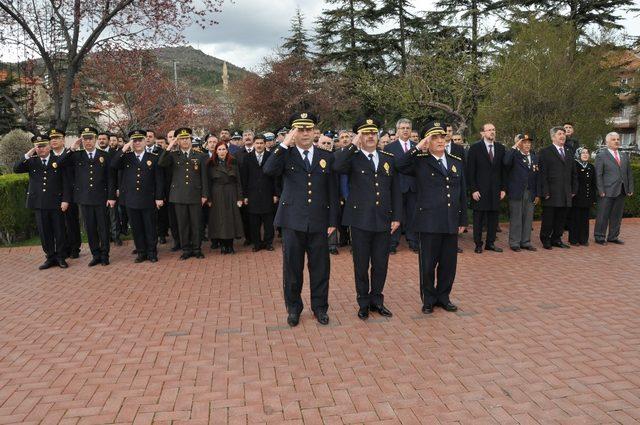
546 337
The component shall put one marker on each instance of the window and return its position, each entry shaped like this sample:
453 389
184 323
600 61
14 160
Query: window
627 139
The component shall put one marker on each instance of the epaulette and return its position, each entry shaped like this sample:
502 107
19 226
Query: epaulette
386 153
423 154
456 157
153 153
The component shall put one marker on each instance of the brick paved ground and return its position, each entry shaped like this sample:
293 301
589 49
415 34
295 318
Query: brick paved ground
546 337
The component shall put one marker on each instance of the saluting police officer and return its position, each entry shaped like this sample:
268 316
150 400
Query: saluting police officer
142 191
307 213
372 210
94 191
189 190
48 195
72 213
440 215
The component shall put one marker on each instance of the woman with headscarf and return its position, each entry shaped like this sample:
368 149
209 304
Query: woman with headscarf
225 222
584 199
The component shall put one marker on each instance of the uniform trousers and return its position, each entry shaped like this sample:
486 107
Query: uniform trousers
97 227
50 223
189 217
438 260
144 229
370 249
295 244
72 227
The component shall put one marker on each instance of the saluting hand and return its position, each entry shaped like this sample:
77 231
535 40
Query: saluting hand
356 140
127 147
423 143
289 140
31 152
77 144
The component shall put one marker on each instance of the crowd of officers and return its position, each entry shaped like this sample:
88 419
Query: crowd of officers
319 191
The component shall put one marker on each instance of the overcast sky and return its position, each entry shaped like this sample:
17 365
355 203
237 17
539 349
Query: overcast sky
249 30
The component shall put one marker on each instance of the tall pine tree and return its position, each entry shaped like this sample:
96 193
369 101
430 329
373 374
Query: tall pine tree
405 27
296 45
344 36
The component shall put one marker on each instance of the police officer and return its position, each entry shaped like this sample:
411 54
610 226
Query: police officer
48 195
142 190
440 214
94 191
189 190
372 211
112 213
72 213
307 213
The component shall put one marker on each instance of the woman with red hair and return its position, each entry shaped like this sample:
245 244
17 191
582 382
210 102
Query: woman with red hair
225 200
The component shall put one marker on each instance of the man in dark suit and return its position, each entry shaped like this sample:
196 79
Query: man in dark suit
456 150
48 195
407 186
244 150
558 185
142 190
614 181
572 141
112 213
72 214
487 186
440 215
94 191
189 190
260 195
372 211
521 168
307 213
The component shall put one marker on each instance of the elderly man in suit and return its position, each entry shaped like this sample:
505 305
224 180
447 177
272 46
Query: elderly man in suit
487 186
558 185
521 164
614 182
407 186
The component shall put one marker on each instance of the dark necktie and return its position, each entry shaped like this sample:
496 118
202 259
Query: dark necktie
91 157
259 157
373 165
442 166
307 164
562 153
44 162
491 153
528 161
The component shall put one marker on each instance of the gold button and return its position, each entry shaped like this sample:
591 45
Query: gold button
309 184
448 195
137 188
45 177
90 185
377 193
309 192
377 203
447 178
137 181
377 184
309 200
447 186
448 205
44 190
186 183
309 175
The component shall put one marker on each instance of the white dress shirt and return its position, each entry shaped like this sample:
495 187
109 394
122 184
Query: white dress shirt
376 159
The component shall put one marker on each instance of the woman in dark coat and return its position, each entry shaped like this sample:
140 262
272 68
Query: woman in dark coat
225 200
584 199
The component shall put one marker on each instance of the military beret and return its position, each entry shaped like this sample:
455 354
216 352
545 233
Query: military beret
433 127
182 132
137 134
303 120
56 132
40 140
366 124
88 131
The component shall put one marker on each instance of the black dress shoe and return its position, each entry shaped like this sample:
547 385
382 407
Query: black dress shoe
617 241
198 255
515 248
601 242
269 248
140 259
478 250
175 248
492 248
104 261
185 256
47 265
153 259
246 242
62 264
530 248
585 244
363 313
460 250
162 240
414 249
380 308
393 251
547 246
74 255
333 251
293 319
256 248
94 262
561 244
427 309
322 318
449 306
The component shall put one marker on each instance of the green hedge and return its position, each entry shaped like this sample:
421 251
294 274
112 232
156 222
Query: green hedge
17 222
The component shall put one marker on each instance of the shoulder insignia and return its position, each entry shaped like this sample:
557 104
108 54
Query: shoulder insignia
454 156
386 153
422 154
153 153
